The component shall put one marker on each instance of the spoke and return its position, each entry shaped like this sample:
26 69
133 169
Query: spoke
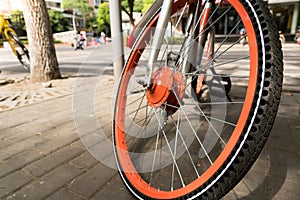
202 114
213 118
169 147
210 124
206 118
175 150
184 144
136 100
154 156
216 75
205 67
215 57
222 103
146 119
227 36
180 17
231 61
193 130
207 28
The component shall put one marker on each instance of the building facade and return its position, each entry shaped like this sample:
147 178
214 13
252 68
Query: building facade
286 15
8 5
54 4
96 3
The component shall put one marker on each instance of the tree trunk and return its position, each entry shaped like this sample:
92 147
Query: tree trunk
43 60
130 12
130 15
131 5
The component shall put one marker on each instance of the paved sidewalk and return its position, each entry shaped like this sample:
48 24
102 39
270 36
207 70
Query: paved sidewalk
43 157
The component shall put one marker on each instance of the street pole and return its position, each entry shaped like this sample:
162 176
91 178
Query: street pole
117 37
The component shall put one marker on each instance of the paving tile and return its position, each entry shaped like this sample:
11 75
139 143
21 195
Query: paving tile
18 147
18 161
58 137
6 135
12 182
84 161
53 160
114 189
90 182
65 194
48 184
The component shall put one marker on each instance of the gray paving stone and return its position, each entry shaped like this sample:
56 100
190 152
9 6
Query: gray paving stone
23 134
18 161
90 182
58 137
12 182
7 134
114 189
18 147
84 161
47 185
65 194
297 97
53 160
288 111
287 98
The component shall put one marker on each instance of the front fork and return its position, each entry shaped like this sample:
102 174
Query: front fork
158 36
6 32
191 53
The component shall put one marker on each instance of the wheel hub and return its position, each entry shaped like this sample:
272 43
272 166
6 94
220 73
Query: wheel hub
167 88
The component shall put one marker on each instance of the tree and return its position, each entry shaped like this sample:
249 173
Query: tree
58 21
17 21
43 60
146 5
127 7
81 6
130 6
137 5
103 18
92 21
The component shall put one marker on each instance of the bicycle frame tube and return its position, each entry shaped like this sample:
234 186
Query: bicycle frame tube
203 35
155 6
10 42
2 22
4 29
159 35
189 48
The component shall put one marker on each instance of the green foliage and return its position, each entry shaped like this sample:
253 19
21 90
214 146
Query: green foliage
79 5
18 22
137 7
103 19
146 5
91 22
59 22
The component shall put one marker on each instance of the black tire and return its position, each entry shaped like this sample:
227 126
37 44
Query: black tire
133 120
21 50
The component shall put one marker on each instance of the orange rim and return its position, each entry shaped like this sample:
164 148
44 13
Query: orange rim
124 159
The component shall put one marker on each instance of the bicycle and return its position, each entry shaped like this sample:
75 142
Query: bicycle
17 47
192 114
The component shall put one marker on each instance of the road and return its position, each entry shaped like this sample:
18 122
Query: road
92 60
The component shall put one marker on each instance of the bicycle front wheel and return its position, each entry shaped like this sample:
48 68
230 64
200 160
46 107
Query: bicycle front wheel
19 49
169 144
